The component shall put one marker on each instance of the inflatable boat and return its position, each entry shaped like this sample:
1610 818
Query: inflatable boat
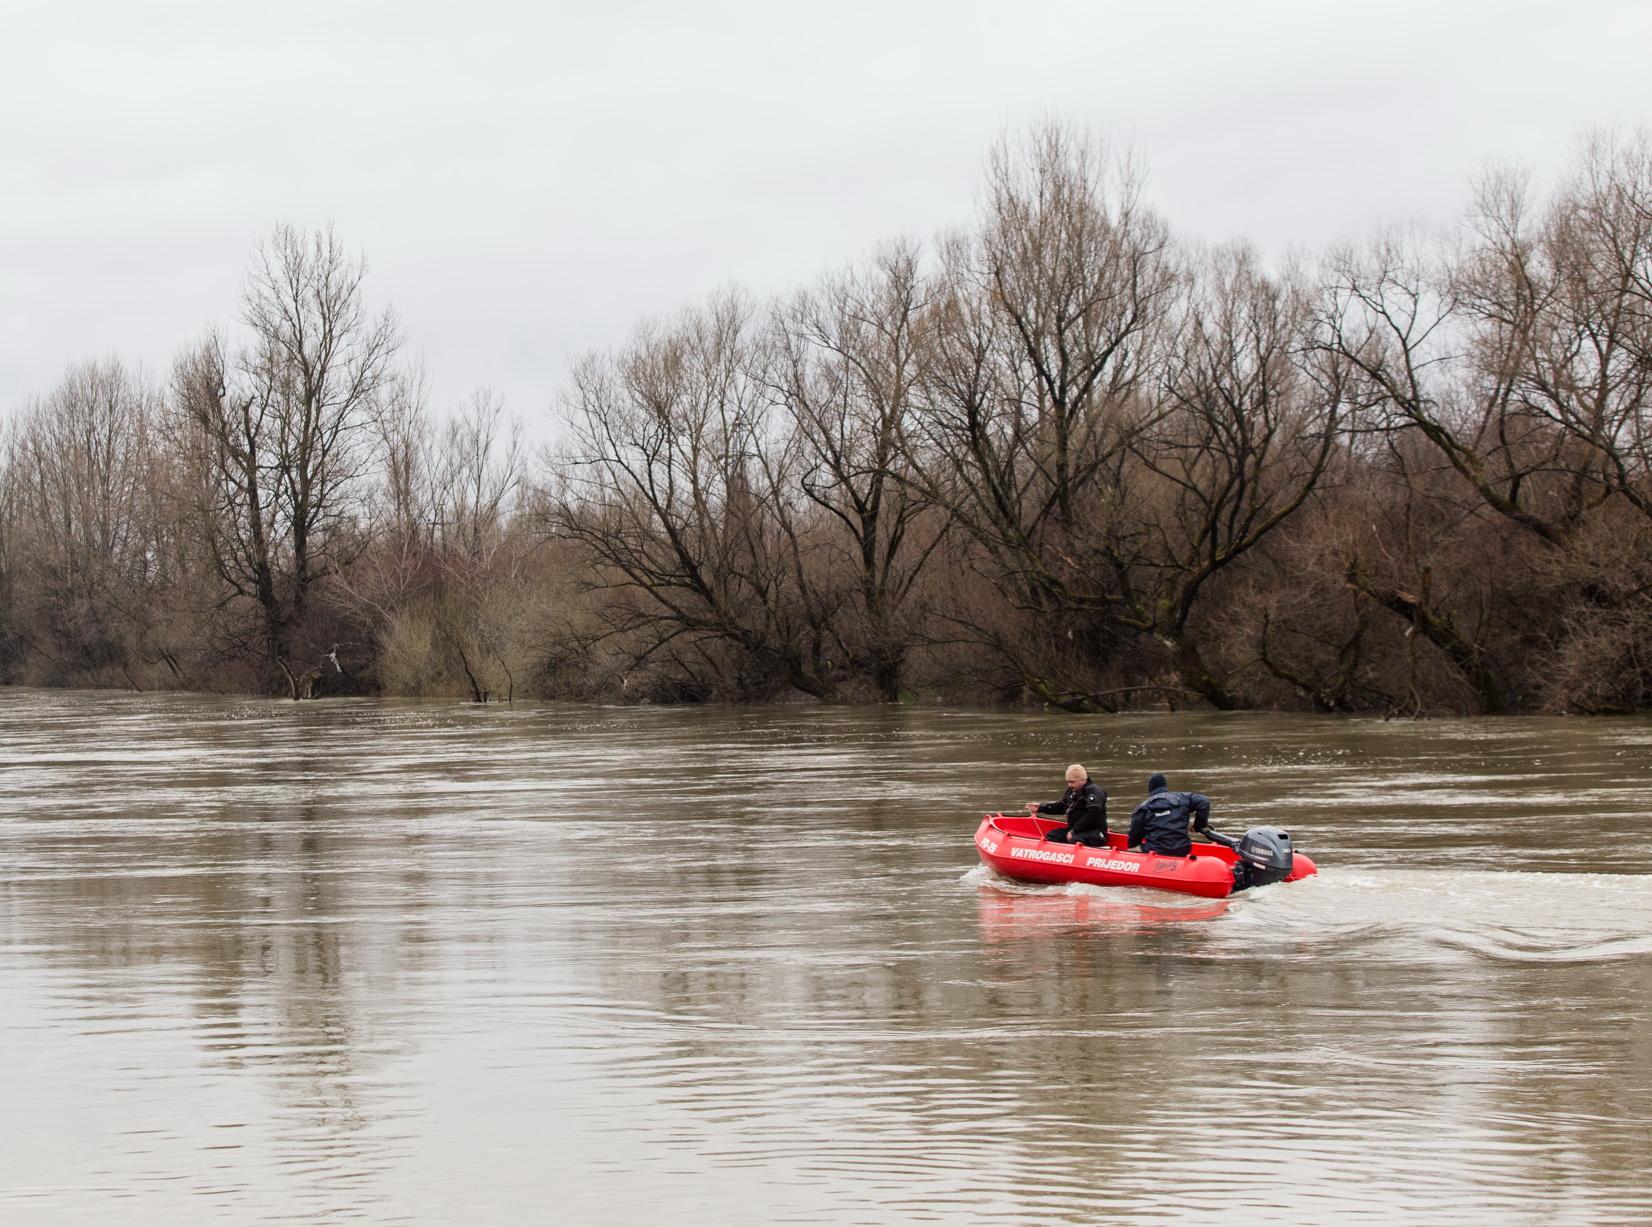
1014 846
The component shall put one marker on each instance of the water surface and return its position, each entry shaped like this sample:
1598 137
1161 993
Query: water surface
401 962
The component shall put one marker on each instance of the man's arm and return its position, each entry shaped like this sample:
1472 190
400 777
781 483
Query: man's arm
1138 826
1200 805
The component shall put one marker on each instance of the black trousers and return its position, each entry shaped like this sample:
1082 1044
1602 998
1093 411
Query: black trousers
1064 835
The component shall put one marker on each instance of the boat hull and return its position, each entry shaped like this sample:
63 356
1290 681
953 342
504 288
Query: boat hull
1013 845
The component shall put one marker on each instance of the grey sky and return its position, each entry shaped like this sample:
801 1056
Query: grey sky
528 180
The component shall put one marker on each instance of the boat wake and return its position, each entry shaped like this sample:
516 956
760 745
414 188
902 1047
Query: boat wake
1400 914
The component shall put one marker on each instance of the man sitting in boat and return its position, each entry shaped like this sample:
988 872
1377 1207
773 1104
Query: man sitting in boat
1084 805
1160 822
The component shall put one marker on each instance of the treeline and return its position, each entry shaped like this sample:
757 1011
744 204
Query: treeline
1061 456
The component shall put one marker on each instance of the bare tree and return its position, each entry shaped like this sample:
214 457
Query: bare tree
846 361
279 435
1391 322
479 474
1561 308
1049 327
402 507
82 540
1062 457
441 579
1520 361
1394 319
476 483
683 492
1244 438
12 644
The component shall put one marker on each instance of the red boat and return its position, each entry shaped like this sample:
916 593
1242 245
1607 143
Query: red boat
1014 845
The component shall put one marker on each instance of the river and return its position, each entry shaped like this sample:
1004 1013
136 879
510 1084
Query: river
402 962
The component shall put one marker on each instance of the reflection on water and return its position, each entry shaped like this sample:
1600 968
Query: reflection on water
426 963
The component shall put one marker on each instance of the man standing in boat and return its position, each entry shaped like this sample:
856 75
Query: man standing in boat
1084 805
1160 822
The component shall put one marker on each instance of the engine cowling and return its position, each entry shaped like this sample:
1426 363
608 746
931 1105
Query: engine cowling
1265 857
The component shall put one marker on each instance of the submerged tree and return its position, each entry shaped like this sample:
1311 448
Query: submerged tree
845 364
1060 456
1050 322
672 478
1518 362
277 435
83 554
1245 433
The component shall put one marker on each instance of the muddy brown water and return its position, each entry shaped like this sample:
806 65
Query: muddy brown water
425 963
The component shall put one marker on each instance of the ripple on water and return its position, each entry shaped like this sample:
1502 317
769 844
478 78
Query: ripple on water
426 962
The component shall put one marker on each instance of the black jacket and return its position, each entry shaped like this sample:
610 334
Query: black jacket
1085 808
1160 822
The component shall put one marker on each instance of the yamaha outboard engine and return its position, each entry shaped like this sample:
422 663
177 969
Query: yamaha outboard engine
1264 857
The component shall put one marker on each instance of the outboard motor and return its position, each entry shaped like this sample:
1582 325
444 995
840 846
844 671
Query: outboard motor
1264 857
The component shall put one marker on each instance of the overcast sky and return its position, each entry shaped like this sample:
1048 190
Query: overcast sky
529 180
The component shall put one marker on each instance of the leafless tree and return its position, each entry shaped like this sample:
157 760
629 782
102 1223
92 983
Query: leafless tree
1058 457
1392 317
82 519
1391 321
477 481
1050 322
683 490
279 434
846 360
481 466
1520 359
1561 307
441 579
1244 437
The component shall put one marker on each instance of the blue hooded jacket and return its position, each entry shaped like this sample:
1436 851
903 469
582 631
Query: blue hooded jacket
1160 822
